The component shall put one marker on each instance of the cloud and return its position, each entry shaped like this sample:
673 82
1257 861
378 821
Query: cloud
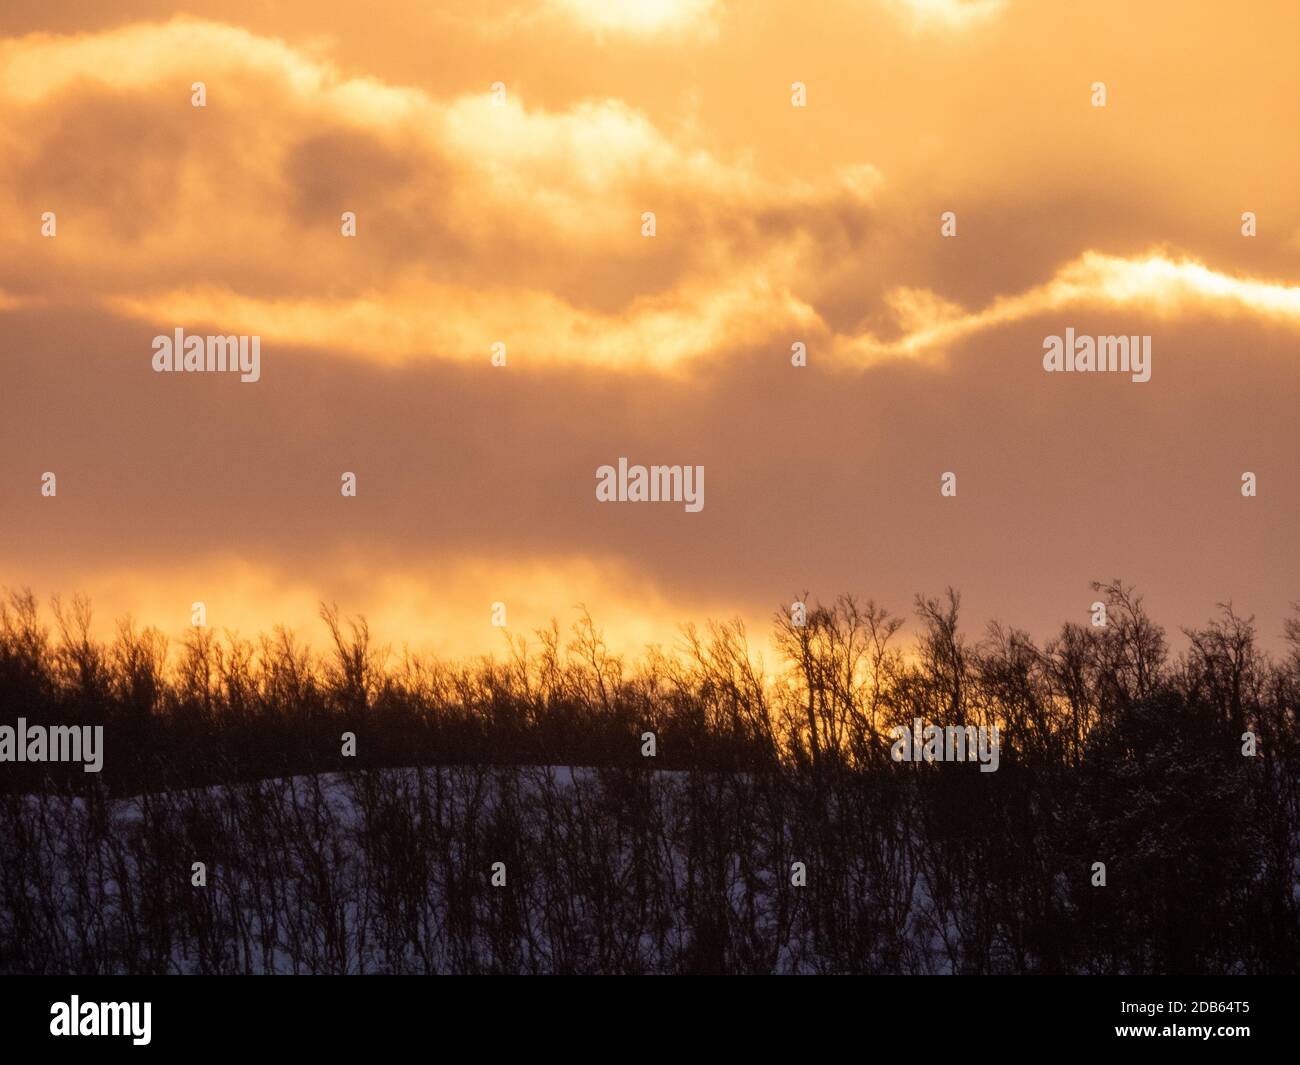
521 222
476 221
817 479
638 17
948 14
483 220
420 320
1154 286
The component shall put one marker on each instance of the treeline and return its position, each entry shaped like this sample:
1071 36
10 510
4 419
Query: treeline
771 831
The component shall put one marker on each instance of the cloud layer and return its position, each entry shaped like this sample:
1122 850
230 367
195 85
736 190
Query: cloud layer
516 216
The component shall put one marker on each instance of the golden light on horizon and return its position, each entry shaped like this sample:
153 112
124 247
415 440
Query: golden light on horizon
498 162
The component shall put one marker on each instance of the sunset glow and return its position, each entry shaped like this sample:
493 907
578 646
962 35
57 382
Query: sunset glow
500 162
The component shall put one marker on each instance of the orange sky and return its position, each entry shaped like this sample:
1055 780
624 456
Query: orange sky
521 223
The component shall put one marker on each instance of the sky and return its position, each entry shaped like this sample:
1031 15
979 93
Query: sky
498 158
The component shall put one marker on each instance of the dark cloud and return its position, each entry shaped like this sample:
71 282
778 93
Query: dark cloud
814 479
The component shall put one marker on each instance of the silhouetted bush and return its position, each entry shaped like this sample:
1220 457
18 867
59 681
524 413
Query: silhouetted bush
228 753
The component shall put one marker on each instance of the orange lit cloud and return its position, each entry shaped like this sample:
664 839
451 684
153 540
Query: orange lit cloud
517 217
959 14
476 221
1153 285
637 16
